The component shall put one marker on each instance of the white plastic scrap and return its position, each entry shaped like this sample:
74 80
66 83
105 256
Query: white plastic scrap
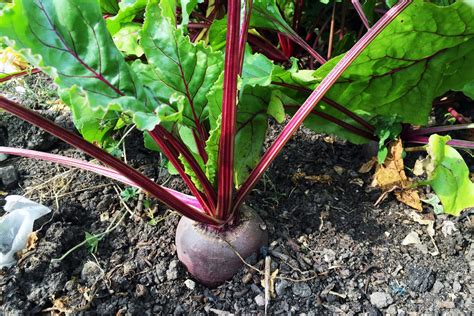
16 225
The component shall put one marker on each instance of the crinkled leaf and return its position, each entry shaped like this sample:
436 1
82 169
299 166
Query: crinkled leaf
176 65
425 52
128 11
422 54
127 39
448 175
71 37
69 40
390 176
95 126
187 6
257 70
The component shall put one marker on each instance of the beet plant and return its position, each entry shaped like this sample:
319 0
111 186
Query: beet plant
203 98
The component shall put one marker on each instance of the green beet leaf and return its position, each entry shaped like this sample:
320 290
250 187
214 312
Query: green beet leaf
252 123
69 40
128 11
187 6
426 51
265 14
176 65
251 129
257 70
95 126
109 6
448 175
212 150
127 39
217 34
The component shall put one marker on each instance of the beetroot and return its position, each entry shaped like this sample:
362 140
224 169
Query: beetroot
205 252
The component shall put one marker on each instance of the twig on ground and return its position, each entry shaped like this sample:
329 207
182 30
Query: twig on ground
268 270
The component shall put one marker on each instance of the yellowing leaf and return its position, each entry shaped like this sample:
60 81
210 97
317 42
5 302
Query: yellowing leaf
11 62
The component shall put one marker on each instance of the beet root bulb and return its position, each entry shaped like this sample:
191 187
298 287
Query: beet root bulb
206 253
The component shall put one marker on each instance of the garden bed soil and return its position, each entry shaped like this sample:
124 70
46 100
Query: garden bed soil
334 250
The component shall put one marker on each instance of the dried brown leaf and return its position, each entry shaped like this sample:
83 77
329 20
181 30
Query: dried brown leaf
32 241
409 197
391 173
390 176
366 167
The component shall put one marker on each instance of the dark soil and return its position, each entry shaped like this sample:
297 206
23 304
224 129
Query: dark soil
323 226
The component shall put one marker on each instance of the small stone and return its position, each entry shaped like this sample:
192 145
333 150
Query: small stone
301 290
255 289
172 272
20 90
339 170
190 284
437 287
179 310
241 293
445 304
90 272
247 278
456 287
69 286
3 157
140 290
329 255
421 279
260 300
392 310
160 270
380 299
8 176
401 312
281 286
